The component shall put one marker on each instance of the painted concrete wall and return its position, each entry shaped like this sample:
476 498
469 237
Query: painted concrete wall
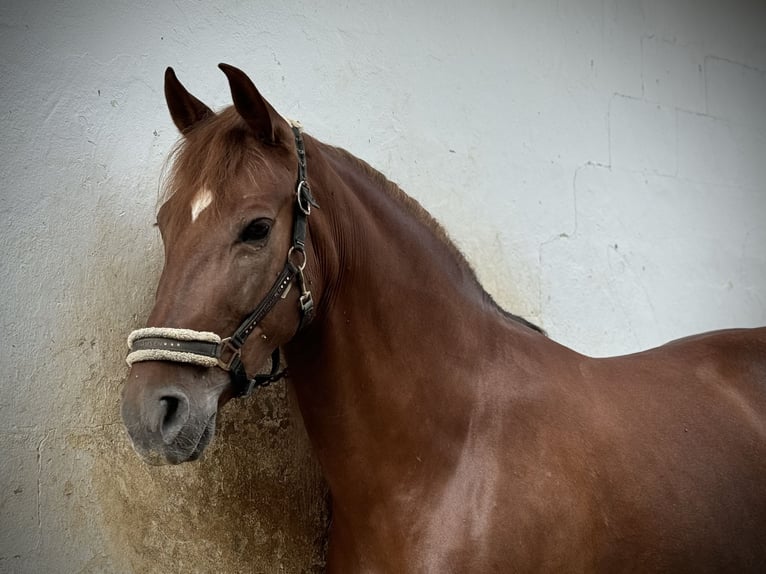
601 162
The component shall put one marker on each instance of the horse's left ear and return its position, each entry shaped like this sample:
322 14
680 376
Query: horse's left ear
266 123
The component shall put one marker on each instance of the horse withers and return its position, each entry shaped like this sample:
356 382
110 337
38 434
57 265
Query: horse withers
454 436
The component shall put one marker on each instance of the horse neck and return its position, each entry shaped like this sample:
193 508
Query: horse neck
383 375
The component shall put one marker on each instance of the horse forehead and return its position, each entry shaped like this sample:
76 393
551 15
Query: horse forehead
200 202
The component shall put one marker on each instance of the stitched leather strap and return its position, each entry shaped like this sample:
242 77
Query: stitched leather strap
203 348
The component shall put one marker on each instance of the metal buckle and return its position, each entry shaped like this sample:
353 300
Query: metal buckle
306 302
304 203
226 345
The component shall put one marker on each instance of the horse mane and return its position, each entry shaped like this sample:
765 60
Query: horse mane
222 146
420 213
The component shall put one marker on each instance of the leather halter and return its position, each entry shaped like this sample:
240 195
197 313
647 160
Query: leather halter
199 347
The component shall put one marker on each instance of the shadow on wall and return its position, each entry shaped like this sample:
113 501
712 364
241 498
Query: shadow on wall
254 503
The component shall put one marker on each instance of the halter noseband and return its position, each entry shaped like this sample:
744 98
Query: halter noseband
208 349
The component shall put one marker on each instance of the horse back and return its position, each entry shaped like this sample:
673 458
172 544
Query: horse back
678 454
651 462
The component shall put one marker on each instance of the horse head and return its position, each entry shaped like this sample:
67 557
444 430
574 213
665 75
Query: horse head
233 226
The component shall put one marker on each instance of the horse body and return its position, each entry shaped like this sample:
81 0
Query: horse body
453 436
462 437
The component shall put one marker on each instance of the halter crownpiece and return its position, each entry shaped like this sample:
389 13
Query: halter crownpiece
208 349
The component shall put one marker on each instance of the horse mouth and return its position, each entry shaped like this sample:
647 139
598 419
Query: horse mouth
204 440
187 447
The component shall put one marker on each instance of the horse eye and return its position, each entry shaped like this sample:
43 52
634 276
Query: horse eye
256 230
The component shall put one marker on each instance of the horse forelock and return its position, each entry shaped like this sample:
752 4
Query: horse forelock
208 158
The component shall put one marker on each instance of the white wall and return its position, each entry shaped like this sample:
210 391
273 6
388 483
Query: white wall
602 163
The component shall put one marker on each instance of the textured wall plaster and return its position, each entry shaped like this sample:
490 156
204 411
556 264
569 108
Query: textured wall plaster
600 162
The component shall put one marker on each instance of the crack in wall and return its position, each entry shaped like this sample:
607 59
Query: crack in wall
40 444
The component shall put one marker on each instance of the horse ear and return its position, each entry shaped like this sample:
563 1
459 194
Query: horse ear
186 110
266 123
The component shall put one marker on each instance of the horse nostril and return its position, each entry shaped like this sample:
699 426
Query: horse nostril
174 412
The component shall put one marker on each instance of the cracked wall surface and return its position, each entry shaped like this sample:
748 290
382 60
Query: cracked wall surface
600 162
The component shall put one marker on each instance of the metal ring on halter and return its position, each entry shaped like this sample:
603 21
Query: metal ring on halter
306 209
300 250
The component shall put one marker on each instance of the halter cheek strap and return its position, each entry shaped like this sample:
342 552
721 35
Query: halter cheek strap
207 349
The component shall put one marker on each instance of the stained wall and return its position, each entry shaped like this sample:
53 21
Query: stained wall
601 163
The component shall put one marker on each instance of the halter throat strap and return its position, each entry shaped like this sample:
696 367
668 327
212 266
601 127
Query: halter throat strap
207 349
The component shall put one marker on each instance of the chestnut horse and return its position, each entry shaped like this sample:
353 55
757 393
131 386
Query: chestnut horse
454 436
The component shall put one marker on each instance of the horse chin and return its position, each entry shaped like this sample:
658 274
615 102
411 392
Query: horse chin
188 447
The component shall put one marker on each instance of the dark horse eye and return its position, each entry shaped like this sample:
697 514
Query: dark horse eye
256 230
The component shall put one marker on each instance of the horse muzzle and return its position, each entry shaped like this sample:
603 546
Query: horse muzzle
170 423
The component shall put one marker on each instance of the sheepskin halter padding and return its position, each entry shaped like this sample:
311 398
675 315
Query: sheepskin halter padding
166 350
